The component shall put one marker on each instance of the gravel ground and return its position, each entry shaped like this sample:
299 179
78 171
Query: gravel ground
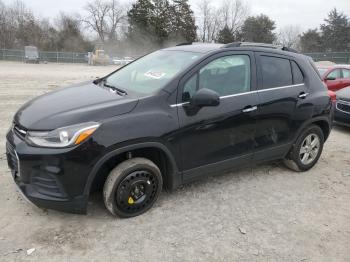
262 213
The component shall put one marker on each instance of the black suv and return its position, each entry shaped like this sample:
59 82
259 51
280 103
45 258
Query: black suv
166 119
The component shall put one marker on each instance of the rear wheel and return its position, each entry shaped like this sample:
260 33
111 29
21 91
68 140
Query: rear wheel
307 149
132 187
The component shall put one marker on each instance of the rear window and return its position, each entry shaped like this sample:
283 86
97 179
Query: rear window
276 72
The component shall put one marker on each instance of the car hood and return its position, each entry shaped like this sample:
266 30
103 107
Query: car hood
344 94
76 104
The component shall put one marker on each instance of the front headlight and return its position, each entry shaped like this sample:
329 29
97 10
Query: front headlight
62 137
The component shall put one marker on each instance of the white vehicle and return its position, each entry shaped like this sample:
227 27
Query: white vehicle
122 61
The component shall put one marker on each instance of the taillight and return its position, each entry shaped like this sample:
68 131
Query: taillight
332 95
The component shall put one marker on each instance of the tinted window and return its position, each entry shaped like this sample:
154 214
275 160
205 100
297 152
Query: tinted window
335 74
276 72
298 77
346 73
226 75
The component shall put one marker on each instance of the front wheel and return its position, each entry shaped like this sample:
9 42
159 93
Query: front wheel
132 187
307 149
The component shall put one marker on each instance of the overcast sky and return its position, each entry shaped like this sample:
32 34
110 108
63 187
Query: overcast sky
305 13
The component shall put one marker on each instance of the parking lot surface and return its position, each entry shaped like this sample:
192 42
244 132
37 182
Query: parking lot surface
259 213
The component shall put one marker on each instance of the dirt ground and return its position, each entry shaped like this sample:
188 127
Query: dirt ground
263 213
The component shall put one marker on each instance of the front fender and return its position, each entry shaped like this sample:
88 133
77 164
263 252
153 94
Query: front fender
174 178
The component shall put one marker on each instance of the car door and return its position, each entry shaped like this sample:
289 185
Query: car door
346 77
283 98
334 80
218 137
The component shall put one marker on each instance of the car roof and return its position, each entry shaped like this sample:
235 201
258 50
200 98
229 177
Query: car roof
333 66
342 66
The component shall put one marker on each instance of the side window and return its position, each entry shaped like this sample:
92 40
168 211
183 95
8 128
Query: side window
335 74
298 77
346 73
276 72
226 75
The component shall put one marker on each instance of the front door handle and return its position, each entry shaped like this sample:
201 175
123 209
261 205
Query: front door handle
249 109
303 95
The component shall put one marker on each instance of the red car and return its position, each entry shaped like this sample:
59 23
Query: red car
335 77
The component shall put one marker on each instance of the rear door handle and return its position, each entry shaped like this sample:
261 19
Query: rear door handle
249 109
303 95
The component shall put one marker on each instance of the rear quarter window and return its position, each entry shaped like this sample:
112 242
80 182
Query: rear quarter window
298 77
276 72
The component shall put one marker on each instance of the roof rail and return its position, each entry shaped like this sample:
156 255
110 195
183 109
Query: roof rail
194 43
239 44
181 44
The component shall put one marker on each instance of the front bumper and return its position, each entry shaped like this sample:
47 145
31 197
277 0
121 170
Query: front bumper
51 178
342 113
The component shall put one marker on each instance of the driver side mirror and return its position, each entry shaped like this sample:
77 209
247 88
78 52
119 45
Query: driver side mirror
331 78
205 97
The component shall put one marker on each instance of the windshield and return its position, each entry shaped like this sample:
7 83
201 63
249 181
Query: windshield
322 71
152 72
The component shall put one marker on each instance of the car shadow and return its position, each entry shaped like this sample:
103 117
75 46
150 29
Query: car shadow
222 181
342 128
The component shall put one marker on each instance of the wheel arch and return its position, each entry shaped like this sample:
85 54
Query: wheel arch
325 127
170 173
323 122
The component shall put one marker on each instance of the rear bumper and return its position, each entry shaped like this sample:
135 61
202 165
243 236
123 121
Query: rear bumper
51 178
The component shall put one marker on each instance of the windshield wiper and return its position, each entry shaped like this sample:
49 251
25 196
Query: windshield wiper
117 89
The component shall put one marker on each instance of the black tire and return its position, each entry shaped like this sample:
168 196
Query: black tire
294 161
138 175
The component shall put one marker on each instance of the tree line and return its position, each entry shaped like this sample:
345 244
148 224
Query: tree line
146 25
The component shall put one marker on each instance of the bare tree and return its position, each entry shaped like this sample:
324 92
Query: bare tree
230 14
104 17
234 13
4 26
289 36
116 17
97 16
209 21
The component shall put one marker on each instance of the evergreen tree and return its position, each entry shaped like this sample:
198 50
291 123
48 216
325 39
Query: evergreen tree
140 32
258 29
183 22
225 36
140 16
336 32
161 20
157 22
311 41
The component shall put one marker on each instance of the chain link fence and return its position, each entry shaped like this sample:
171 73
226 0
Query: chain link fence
71 57
336 57
45 56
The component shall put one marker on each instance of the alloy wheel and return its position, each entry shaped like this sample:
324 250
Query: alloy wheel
309 149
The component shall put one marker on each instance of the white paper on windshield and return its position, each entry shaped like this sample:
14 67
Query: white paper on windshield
155 75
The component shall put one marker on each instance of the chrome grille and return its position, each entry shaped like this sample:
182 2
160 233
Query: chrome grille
343 106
